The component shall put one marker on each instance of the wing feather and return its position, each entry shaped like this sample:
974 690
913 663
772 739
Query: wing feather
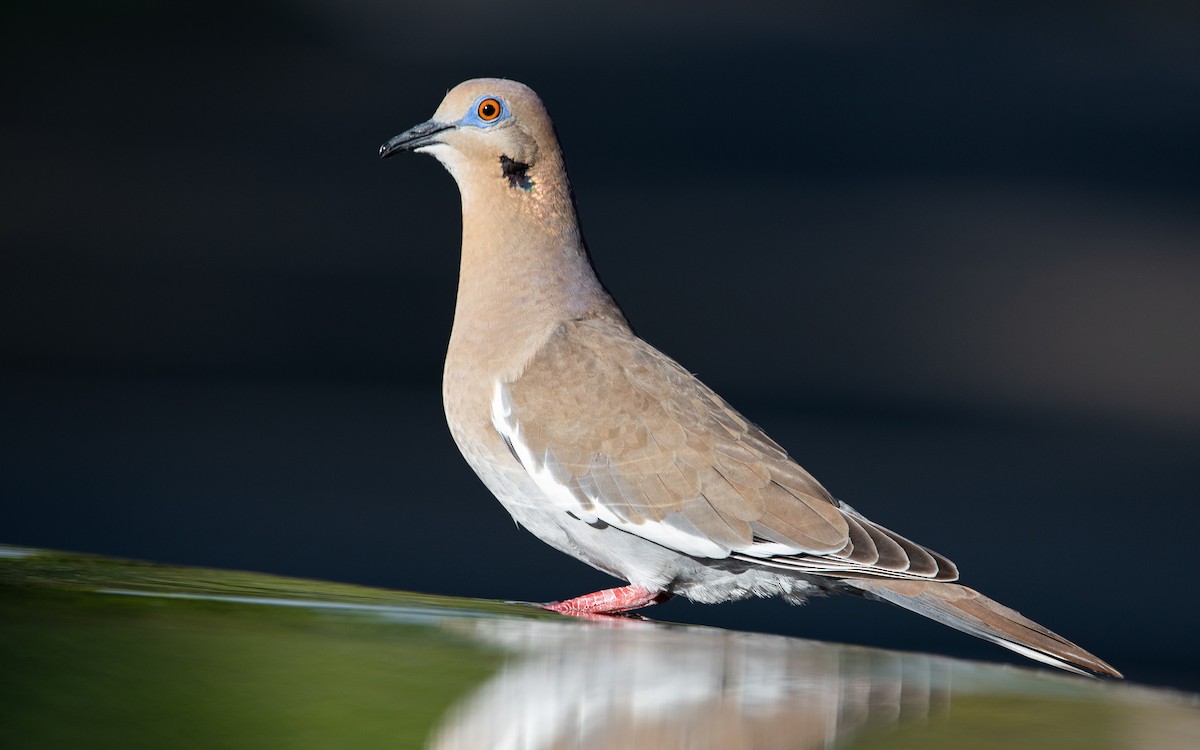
642 444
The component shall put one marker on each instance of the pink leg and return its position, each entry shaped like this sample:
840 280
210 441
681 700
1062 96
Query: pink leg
609 601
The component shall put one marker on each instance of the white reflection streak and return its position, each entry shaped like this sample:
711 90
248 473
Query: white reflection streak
636 685
409 614
17 553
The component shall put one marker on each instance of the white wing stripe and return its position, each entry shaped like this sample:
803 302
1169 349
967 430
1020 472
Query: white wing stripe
677 534
560 494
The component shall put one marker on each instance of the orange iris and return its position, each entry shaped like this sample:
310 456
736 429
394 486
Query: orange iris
489 109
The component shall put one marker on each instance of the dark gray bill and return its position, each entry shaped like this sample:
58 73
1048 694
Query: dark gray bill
414 138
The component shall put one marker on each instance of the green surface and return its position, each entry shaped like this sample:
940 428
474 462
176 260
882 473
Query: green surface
87 669
98 653
1003 722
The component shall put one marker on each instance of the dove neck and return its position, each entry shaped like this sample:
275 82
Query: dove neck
524 261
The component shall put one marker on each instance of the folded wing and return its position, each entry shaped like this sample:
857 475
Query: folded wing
615 432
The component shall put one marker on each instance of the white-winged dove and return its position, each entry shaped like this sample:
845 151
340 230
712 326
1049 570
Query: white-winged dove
610 451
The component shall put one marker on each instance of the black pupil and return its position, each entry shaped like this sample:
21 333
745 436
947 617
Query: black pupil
488 110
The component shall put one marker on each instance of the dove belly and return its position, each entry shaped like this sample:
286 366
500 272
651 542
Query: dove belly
622 553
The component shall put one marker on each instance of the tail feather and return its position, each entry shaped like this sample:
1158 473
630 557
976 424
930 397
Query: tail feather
971 612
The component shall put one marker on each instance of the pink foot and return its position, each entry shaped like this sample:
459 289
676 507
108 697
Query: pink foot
610 601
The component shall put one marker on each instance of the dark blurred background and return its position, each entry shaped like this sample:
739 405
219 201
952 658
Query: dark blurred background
949 256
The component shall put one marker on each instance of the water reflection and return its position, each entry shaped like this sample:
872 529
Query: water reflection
630 684
140 655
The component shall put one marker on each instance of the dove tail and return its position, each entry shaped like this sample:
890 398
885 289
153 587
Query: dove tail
971 612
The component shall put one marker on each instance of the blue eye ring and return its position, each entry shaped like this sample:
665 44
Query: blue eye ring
486 111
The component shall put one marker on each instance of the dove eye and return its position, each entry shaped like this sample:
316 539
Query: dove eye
488 109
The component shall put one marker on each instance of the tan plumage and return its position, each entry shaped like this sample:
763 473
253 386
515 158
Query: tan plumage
609 450
652 441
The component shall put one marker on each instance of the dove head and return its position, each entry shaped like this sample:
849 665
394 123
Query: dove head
489 133
521 244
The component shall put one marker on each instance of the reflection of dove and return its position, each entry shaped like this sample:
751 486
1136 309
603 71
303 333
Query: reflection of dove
607 449
631 688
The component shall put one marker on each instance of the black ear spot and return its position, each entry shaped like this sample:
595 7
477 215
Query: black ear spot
515 171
